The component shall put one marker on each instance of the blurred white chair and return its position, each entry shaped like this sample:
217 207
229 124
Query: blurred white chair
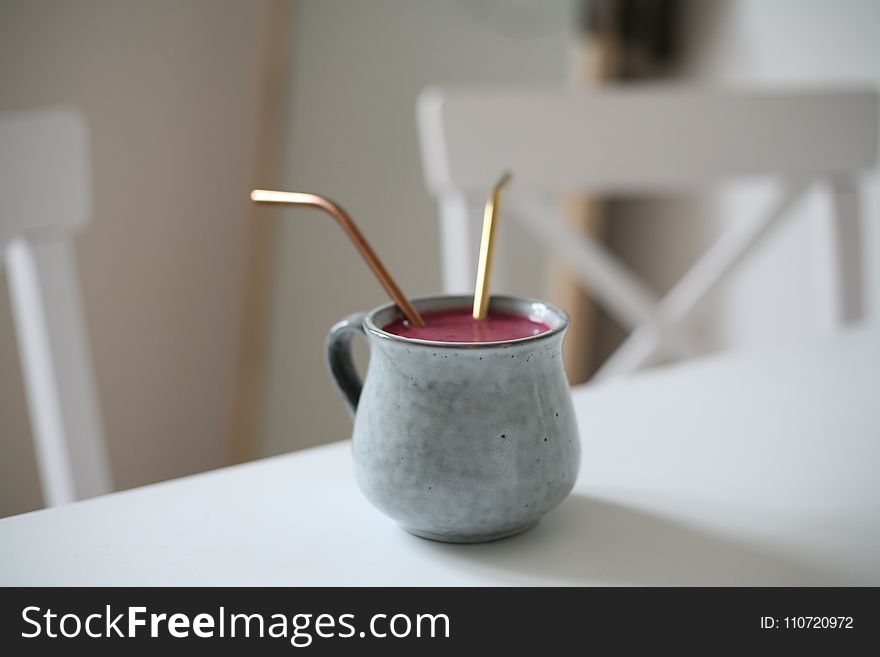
643 141
45 196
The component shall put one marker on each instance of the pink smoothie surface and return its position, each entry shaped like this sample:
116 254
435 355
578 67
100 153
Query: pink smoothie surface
457 325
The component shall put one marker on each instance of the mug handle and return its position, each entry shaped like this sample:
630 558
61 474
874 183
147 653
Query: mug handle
340 361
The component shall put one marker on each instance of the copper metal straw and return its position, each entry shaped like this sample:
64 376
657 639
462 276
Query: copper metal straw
487 247
348 225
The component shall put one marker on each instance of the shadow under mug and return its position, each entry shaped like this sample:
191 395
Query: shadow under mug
461 442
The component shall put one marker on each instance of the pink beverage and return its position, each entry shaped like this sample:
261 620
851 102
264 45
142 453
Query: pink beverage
458 325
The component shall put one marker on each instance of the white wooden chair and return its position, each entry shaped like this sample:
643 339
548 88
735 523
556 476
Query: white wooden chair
45 196
647 140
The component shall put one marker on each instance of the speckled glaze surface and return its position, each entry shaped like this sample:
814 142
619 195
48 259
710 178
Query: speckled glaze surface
460 442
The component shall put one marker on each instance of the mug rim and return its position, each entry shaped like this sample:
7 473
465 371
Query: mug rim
373 329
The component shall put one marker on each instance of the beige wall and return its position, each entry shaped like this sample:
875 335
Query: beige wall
172 91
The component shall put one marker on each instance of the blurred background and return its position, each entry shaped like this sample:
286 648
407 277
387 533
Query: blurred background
206 316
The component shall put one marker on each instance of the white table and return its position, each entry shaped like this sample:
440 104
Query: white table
743 469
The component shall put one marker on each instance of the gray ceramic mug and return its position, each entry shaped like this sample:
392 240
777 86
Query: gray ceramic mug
460 442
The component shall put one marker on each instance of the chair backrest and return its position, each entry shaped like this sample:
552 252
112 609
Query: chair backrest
638 139
45 195
646 140
44 173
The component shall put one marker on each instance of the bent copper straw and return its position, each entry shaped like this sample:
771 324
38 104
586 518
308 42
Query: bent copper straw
487 247
360 242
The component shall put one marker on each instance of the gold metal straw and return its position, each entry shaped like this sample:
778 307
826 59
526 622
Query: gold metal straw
351 229
487 246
